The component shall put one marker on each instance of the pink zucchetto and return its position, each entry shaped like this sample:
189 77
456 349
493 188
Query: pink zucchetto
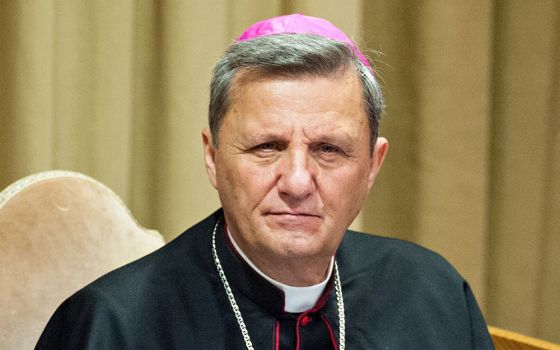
300 24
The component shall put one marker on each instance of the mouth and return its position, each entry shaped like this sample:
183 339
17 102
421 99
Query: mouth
294 220
291 213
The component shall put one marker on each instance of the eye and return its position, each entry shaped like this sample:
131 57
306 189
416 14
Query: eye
266 149
329 149
329 153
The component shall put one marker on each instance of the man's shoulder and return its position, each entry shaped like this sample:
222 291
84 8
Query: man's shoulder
408 295
180 258
149 289
151 285
372 254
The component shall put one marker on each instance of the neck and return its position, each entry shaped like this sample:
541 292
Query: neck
296 299
304 272
301 273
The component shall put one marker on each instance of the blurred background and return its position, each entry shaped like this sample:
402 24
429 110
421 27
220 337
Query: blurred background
118 90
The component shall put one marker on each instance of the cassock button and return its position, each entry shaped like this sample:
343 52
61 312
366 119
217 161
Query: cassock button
305 320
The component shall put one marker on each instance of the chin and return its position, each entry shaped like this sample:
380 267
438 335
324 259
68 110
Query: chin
301 247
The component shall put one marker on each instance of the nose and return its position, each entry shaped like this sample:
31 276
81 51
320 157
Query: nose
297 179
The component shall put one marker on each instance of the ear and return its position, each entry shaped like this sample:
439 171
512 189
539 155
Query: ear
209 156
377 158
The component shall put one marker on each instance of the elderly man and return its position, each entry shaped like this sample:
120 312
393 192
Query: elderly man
293 151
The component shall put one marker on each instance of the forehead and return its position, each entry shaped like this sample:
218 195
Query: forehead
250 75
253 85
323 104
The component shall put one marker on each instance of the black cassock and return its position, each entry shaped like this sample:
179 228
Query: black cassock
397 295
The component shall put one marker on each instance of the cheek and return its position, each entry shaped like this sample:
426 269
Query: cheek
244 182
344 189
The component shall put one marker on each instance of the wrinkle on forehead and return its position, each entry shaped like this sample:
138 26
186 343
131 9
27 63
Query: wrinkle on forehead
245 82
266 109
249 76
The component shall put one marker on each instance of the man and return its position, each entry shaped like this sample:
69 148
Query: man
293 150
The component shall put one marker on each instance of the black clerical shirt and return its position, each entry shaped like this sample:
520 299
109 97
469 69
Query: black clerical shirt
396 295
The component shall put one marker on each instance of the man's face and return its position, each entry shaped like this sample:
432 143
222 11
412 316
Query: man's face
293 164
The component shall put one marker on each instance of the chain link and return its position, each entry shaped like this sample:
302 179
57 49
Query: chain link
340 306
237 311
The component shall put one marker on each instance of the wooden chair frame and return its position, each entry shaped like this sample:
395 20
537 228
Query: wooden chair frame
508 340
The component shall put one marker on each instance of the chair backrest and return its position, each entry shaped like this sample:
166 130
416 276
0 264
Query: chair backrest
508 340
58 231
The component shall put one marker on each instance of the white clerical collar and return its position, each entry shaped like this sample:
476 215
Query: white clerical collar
296 299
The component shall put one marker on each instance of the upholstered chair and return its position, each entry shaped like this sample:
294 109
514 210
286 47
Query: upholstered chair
59 230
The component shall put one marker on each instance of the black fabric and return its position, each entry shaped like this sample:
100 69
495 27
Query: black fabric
397 296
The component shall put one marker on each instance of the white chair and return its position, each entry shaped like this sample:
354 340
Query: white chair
59 230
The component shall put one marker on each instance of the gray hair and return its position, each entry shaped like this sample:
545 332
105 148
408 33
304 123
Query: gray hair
291 55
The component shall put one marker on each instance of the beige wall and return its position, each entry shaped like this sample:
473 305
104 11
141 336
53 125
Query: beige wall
118 90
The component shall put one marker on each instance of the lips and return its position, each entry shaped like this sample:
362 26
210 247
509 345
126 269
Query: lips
294 220
294 213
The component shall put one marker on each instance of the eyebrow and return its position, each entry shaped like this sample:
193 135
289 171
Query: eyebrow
268 135
339 137
342 138
263 136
